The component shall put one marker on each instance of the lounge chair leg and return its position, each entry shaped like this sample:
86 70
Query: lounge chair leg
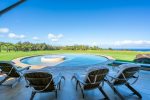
32 95
19 79
16 82
81 90
56 93
115 90
3 80
102 91
133 90
72 78
59 85
82 93
77 85
63 78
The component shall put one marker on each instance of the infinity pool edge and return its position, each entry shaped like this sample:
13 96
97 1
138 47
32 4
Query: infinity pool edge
18 62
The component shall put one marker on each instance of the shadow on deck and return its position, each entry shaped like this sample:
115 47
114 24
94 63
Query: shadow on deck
68 91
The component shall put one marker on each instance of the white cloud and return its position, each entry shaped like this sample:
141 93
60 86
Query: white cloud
60 36
4 30
94 44
54 37
50 36
36 38
15 36
131 42
54 40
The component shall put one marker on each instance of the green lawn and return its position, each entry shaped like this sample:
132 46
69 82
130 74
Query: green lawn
119 55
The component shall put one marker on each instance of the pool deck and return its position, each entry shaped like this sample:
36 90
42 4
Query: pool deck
68 92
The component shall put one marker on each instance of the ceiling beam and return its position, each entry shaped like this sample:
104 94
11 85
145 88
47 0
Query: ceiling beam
11 7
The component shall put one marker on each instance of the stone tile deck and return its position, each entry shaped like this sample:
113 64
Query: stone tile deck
68 91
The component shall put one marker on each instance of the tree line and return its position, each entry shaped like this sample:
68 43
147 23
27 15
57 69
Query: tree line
28 46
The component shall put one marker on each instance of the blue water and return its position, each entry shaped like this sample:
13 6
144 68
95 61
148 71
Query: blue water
143 50
71 60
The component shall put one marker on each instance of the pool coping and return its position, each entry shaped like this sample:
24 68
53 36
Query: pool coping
18 62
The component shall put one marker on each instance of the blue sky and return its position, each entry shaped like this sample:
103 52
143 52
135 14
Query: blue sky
105 23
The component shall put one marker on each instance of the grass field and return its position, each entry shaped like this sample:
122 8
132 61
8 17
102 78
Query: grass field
118 55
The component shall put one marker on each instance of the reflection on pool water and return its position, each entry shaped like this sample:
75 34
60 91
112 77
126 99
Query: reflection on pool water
71 60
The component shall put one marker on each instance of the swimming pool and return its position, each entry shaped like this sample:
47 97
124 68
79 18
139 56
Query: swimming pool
71 60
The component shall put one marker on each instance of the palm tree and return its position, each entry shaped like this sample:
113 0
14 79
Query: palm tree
8 46
17 47
1 44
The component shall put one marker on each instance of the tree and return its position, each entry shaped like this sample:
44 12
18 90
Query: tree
28 46
110 49
8 46
1 44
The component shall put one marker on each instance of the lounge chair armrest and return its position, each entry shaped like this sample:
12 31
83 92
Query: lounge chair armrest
135 76
22 69
83 74
116 69
0 70
114 77
78 78
57 79
27 83
110 77
27 86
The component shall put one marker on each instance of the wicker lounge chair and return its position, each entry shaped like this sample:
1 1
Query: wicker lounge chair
126 73
12 71
42 82
94 79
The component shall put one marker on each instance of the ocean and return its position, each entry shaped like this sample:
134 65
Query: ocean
144 50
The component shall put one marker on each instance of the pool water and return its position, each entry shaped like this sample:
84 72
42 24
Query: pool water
71 60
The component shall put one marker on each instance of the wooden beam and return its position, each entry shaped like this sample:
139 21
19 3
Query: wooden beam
11 7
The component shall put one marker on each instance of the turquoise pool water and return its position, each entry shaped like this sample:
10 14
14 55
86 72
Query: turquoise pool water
71 60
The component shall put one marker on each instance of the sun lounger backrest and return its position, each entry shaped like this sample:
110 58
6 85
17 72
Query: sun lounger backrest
39 80
9 69
94 77
126 72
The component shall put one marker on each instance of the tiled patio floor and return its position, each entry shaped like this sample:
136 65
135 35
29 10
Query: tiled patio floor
68 91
